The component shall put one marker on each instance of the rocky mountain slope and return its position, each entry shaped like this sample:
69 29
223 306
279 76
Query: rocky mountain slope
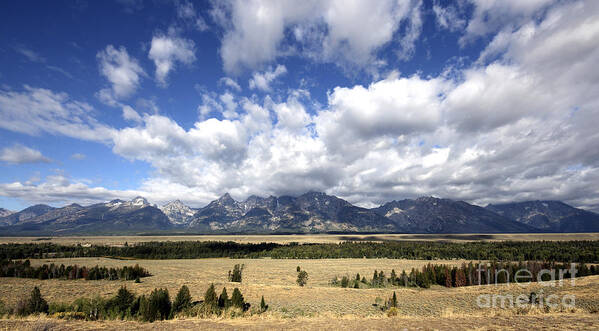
312 212
549 216
433 215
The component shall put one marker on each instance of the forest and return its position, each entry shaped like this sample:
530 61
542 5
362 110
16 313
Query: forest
23 269
556 251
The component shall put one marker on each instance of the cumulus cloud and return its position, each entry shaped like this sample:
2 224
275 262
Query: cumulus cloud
19 154
263 80
166 51
130 114
122 71
59 189
519 124
491 15
322 30
449 17
36 110
230 83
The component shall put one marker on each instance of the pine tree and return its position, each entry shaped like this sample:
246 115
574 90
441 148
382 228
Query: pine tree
210 300
36 303
235 275
182 300
223 299
263 305
448 280
394 300
237 299
344 281
123 300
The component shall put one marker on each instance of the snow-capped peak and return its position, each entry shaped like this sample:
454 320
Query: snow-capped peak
177 212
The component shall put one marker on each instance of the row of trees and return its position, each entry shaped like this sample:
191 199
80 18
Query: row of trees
23 269
126 305
561 251
470 274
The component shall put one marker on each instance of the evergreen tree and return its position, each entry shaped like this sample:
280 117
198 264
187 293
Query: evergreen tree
223 299
393 277
344 281
159 305
394 300
123 300
448 280
36 303
182 300
263 305
235 275
237 299
210 300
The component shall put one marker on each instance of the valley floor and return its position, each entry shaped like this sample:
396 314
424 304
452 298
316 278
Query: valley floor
316 306
507 322
307 238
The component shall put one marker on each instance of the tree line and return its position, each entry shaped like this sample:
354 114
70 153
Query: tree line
24 269
146 308
469 274
559 251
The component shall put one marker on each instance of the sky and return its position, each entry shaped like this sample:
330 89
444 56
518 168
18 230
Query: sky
477 100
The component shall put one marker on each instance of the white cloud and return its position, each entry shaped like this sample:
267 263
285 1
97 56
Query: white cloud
187 13
122 71
229 82
165 51
78 156
518 124
35 110
30 54
449 17
491 15
19 154
322 30
263 80
130 114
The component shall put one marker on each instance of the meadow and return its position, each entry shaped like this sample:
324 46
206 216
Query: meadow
299 238
318 305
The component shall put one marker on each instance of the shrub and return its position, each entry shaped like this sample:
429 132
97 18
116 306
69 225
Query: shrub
302 278
344 281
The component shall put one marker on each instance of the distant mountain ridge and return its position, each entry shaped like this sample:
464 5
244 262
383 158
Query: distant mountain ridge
312 212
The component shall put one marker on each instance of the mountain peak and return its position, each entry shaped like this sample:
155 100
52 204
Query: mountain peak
140 201
226 199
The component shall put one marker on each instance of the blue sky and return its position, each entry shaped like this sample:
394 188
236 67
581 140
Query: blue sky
485 101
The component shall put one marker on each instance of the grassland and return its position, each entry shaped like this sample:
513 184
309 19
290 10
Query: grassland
316 306
313 238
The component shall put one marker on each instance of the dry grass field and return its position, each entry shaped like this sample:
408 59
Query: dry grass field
316 238
316 306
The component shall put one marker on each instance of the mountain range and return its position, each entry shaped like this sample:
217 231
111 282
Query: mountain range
312 212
